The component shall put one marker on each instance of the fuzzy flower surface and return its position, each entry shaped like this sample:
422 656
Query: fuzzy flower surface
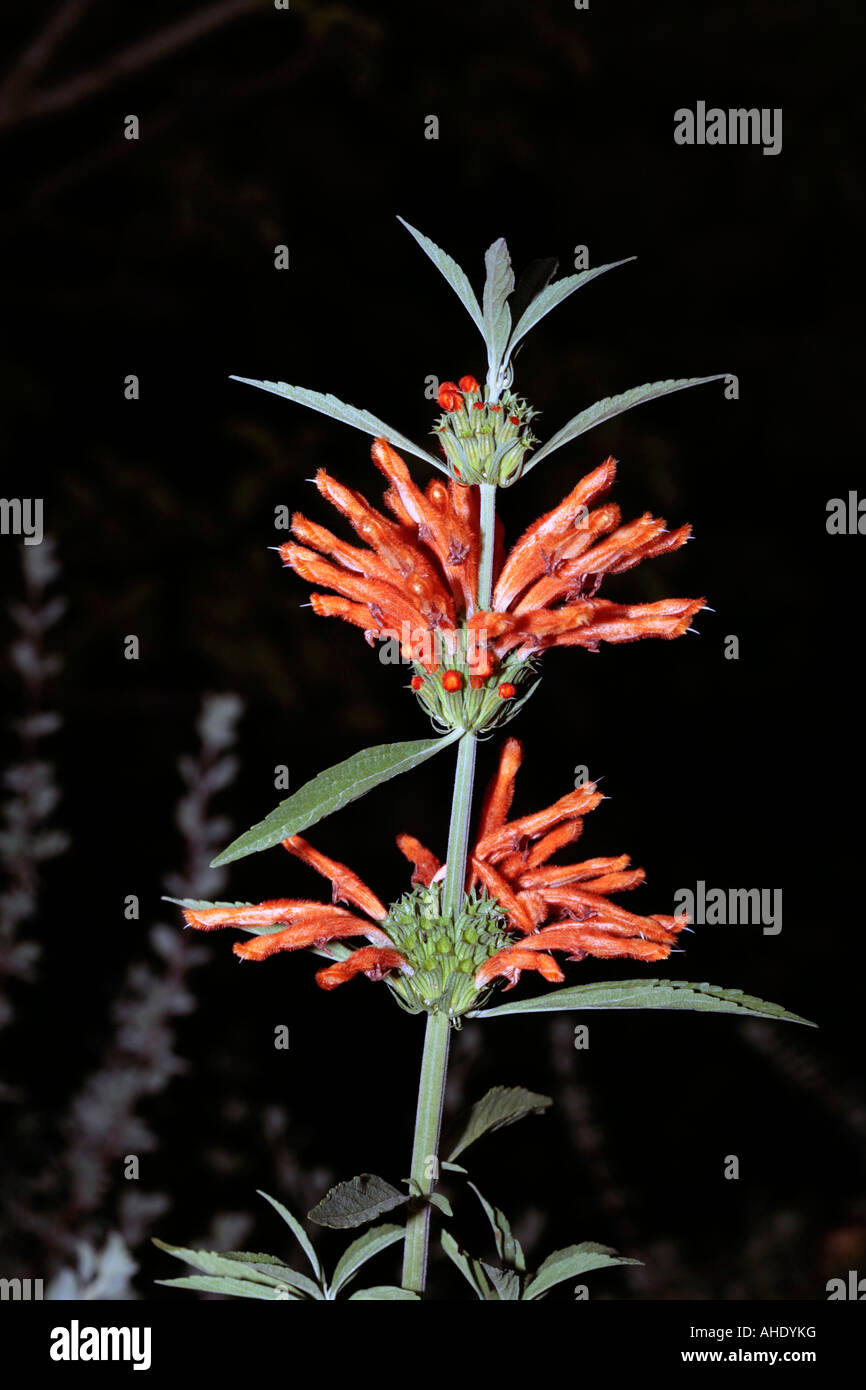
518 909
414 581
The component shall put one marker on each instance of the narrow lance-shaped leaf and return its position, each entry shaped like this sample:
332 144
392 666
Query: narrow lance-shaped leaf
331 790
349 414
505 1281
568 1263
269 1264
554 294
508 1247
456 277
209 1262
645 994
469 1268
614 405
497 315
501 1106
361 1250
298 1232
356 1202
235 1288
385 1293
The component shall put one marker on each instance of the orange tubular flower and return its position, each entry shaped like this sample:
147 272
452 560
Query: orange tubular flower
291 924
415 579
562 907
517 910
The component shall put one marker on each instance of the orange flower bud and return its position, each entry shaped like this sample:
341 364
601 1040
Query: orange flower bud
507 691
449 397
514 419
452 681
417 682
477 405
469 385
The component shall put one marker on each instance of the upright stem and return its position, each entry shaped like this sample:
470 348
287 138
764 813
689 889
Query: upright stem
434 1064
488 540
425 1161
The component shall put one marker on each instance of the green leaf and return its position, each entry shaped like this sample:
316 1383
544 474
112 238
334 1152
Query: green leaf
470 1269
209 1262
457 278
441 1203
348 414
236 1288
568 1263
388 1292
613 405
645 994
501 1106
505 1282
508 1247
356 1202
269 1264
297 1231
331 790
453 1168
363 1249
554 294
497 316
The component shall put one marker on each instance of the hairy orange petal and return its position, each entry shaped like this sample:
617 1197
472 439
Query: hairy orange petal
347 887
424 861
309 933
370 959
555 874
521 564
511 962
524 913
267 914
508 837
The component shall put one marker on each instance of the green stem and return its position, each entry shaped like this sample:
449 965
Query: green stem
434 1064
488 540
428 1122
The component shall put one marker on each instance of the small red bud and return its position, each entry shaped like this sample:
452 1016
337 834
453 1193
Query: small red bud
514 419
469 385
452 681
507 691
494 407
449 397
477 405
417 682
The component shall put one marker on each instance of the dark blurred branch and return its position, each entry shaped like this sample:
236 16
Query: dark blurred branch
16 107
38 54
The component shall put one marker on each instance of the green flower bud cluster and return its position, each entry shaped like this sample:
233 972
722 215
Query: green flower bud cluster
487 441
454 697
445 951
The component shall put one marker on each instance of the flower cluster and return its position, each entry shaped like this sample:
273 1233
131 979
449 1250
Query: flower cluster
526 909
414 582
484 441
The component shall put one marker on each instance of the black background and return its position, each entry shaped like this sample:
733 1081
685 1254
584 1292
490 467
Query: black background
156 257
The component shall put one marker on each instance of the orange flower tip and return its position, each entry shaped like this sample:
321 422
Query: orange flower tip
507 691
478 405
452 681
449 397
514 419
469 385
497 408
417 682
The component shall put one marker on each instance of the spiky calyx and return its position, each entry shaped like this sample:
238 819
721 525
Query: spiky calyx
445 951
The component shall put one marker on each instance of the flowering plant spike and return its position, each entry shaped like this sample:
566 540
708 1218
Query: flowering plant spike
503 894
